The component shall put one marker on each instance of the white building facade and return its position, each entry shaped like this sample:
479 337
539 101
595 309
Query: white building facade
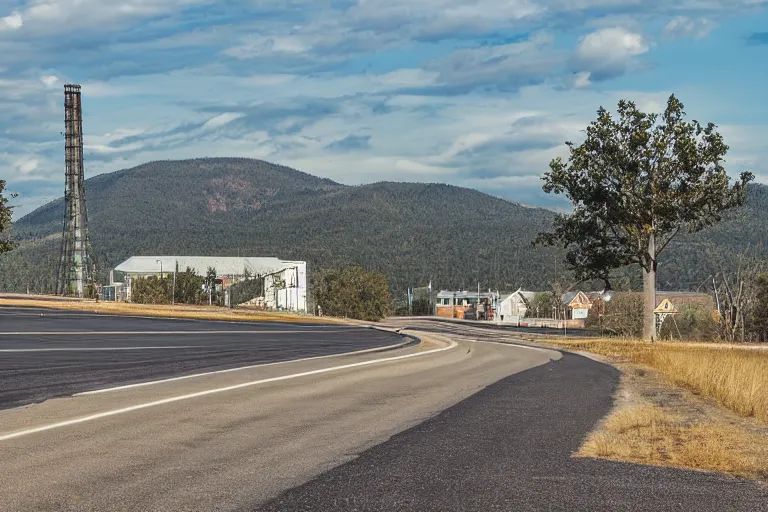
285 282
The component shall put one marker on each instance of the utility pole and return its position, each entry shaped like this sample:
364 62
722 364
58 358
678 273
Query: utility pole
173 293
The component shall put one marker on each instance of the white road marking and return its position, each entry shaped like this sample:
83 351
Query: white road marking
198 394
230 370
89 349
515 345
110 333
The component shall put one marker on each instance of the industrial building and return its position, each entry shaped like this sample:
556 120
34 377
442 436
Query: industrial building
285 282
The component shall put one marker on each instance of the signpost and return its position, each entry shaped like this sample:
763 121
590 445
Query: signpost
662 311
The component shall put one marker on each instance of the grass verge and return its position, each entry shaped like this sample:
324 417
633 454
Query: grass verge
168 311
700 406
648 434
734 376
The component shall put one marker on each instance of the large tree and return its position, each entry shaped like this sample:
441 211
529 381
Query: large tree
6 213
635 182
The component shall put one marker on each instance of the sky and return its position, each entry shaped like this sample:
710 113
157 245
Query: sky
481 94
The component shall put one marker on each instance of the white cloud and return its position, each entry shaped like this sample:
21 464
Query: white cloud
463 108
49 81
13 21
255 46
66 15
26 166
507 66
683 26
221 119
608 52
582 79
107 90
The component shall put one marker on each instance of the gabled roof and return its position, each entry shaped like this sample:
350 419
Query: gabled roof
528 296
569 297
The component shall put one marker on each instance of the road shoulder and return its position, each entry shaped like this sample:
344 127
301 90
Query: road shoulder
510 447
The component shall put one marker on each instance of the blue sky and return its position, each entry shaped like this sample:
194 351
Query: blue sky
480 94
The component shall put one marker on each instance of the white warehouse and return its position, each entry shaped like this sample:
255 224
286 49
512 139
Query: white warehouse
285 282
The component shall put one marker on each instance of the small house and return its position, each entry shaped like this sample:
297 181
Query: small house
515 306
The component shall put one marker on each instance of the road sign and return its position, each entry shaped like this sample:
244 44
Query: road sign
665 307
580 313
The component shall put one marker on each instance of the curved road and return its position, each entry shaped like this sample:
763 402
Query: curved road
464 421
46 353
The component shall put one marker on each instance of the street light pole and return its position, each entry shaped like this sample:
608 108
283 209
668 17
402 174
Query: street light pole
173 293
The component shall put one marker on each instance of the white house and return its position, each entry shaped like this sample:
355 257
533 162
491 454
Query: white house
285 282
515 306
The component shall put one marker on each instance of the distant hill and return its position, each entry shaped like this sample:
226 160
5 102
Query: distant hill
412 232
223 206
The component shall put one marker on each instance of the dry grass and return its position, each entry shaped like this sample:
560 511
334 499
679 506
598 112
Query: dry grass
167 311
647 434
734 376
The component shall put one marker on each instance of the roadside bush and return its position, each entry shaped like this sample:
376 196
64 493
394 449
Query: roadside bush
692 324
352 292
541 305
623 315
157 290
150 290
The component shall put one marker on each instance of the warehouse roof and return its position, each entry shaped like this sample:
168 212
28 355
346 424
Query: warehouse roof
223 265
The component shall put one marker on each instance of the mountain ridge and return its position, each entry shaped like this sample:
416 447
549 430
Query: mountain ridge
412 232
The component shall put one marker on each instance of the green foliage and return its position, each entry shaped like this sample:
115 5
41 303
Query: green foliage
541 305
151 290
420 307
246 290
410 232
694 323
6 212
157 290
622 315
352 292
189 287
634 177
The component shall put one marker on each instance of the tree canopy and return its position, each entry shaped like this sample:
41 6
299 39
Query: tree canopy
6 213
352 292
635 182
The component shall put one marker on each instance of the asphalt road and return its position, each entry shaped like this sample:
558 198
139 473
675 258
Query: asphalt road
230 440
459 324
509 448
465 421
47 353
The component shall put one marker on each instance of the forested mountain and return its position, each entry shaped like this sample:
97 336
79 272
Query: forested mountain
411 232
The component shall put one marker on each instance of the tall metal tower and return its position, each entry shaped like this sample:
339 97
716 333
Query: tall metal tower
75 268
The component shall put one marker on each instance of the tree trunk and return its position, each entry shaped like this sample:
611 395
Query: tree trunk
649 292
